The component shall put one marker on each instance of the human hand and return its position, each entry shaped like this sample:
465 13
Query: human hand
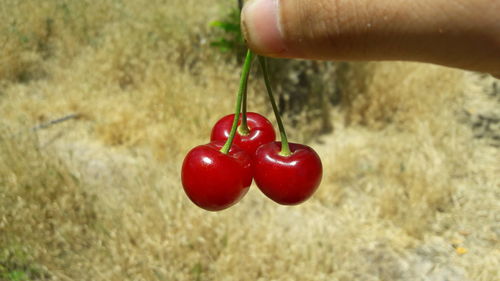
456 33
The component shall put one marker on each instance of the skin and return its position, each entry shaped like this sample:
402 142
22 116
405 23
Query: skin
459 33
215 181
287 180
261 132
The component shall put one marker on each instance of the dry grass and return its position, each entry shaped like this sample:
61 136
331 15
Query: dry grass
99 198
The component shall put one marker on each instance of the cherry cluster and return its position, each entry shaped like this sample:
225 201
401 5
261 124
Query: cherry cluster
217 175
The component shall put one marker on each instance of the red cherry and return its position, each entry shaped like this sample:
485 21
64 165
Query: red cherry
213 180
287 180
261 132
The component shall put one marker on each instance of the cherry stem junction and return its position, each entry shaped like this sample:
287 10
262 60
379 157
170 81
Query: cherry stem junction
242 89
285 148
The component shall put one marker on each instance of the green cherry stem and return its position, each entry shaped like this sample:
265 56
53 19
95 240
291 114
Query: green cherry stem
243 128
239 98
285 148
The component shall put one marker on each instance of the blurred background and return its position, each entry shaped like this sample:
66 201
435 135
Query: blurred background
410 151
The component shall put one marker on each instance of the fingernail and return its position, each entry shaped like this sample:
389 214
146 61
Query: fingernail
261 27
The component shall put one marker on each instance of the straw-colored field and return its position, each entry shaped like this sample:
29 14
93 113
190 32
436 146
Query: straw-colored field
411 187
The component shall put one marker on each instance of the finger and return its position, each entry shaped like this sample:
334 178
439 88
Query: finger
460 33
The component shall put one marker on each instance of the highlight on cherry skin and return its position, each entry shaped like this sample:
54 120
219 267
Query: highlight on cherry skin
261 131
287 180
213 180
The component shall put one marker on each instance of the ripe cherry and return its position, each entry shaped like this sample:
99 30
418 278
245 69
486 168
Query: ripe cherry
287 180
260 131
213 180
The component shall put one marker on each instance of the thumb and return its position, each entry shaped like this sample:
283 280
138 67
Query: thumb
460 33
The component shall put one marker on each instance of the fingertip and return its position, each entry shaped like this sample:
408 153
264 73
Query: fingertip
261 27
